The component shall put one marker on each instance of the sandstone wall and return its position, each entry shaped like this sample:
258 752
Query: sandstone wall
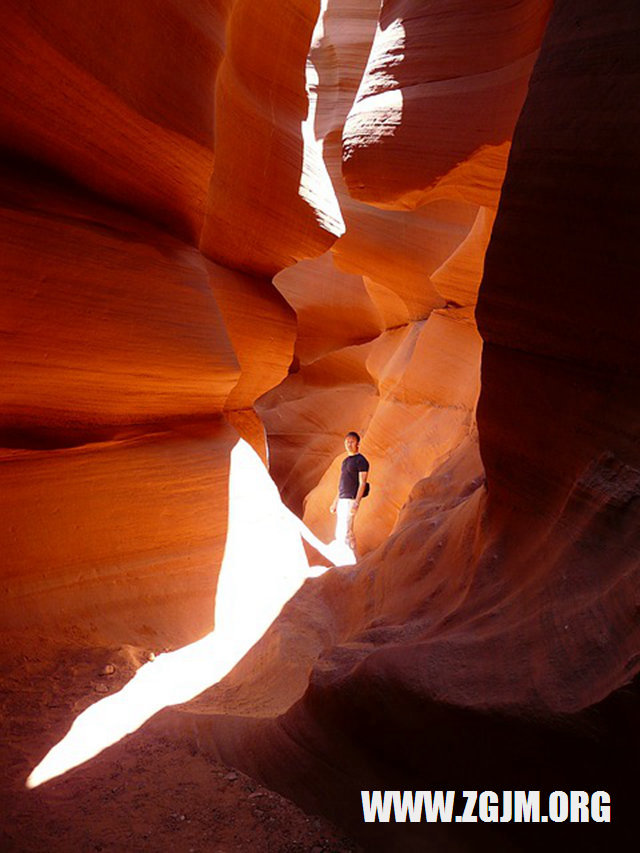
128 350
397 291
491 628
494 635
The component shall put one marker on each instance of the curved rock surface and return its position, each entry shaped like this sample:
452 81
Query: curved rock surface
122 351
102 309
411 263
271 202
443 87
489 637
118 544
499 618
116 101
120 340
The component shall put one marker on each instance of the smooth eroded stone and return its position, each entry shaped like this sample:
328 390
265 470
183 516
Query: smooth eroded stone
396 252
333 308
270 201
105 320
307 415
426 376
439 100
119 541
120 98
559 302
261 327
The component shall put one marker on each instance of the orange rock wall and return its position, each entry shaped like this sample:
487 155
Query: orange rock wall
116 541
442 88
494 635
270 202
125 346
396 292
107 321
96 92
494 615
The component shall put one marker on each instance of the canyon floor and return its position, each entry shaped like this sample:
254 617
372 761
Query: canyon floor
145 792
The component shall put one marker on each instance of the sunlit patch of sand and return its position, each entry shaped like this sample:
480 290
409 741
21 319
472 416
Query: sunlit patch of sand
264 565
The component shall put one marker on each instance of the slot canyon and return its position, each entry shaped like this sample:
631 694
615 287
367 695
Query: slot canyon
233 231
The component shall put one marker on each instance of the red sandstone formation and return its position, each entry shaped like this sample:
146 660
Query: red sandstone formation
443 86
86 334
488 638
411 262
114 333
271 202
121 103
519 598
118 337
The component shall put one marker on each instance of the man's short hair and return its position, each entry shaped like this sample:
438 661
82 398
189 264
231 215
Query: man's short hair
354 434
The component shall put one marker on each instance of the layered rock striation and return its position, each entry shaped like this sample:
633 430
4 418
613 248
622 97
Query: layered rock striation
120 334
398 289
396 214
494 635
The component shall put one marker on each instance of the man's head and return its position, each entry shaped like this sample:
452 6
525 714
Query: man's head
352 442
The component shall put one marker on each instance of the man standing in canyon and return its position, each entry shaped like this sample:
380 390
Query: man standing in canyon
351 489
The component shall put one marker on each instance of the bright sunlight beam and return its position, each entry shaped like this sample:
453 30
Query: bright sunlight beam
315 185
264 564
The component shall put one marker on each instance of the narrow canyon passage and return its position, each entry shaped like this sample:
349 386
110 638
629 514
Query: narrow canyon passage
237 231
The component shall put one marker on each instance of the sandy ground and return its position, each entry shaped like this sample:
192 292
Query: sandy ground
144 793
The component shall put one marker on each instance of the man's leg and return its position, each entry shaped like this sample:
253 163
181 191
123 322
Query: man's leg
351 537
344 523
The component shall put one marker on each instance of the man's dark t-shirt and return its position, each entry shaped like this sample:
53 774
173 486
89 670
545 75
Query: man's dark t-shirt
349 479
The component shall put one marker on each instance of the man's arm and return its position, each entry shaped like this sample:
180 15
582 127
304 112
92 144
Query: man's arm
362 477
334 503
